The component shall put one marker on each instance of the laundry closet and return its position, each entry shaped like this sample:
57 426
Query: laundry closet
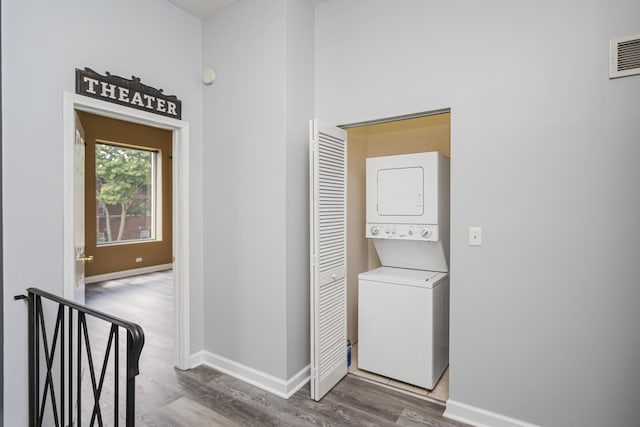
379 240
390 148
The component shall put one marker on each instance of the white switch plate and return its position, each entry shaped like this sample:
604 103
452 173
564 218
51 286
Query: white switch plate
139 259
475 236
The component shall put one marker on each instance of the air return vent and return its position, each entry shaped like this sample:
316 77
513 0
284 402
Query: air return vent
625 56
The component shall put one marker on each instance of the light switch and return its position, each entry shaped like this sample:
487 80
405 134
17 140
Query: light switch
475 236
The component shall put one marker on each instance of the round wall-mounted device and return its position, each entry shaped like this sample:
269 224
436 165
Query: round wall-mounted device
208 76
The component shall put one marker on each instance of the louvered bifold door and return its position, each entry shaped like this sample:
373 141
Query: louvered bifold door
328 257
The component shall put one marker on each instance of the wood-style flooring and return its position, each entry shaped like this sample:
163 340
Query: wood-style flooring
205 397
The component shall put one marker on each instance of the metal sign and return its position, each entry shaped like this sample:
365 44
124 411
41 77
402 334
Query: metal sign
129 92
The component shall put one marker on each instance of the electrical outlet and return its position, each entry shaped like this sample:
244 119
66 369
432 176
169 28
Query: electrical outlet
475 236
139 259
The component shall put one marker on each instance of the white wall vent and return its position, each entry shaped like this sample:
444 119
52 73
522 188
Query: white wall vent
624 56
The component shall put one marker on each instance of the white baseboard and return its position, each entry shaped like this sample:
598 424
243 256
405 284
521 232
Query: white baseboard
277 386
127 273
480 417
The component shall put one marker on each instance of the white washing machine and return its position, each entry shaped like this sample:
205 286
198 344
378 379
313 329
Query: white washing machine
403 320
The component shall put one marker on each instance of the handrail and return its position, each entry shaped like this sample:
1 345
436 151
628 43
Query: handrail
60 379
136 331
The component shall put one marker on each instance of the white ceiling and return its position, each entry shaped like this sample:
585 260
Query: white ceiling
204 8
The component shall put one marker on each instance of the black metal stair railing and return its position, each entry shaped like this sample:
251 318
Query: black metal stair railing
58 362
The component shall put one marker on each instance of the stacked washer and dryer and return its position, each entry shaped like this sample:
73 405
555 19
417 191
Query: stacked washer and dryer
403 306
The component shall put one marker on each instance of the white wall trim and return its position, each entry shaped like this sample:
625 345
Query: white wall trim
181 239
127 273
181 228
480 417
267 382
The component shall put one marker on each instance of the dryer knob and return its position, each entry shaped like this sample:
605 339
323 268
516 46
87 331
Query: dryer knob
374 230
425 232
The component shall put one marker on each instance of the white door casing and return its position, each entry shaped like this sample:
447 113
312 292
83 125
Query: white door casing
78 210
181 229
328 290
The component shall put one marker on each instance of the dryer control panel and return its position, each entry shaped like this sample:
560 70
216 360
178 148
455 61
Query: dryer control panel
424 232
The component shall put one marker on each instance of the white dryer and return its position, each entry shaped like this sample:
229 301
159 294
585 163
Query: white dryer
408 210
403 307
403 324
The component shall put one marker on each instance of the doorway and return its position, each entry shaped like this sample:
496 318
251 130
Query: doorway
128 198
180 224
430 132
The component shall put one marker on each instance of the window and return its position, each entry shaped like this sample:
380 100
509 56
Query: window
126 194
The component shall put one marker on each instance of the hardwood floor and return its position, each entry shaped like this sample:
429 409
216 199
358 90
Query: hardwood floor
205 397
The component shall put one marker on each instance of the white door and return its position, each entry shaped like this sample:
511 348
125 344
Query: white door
78 212
328 291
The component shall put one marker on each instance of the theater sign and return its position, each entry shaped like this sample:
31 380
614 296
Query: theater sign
129 92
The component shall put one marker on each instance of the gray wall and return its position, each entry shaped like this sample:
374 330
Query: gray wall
256 239
544 318
299 109
40 51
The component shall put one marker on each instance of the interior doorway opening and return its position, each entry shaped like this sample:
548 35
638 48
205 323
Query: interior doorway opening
406 135
340 250
179 131
128 198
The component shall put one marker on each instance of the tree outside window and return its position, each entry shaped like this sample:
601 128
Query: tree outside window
125 188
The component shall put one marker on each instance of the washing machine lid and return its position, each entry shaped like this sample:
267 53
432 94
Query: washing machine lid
404 276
